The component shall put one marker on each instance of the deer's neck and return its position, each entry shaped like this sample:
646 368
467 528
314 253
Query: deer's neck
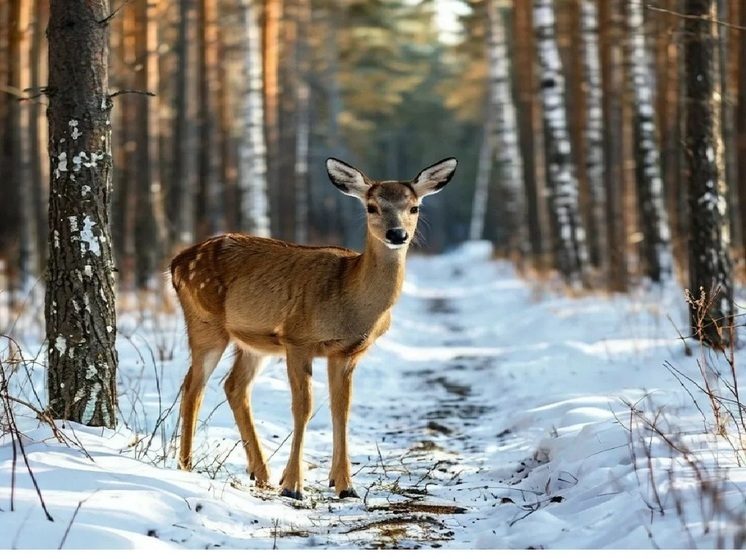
379 274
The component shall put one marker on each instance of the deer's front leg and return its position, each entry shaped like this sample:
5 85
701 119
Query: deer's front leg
340 393
299 375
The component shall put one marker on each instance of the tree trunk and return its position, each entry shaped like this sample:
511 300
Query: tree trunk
184 176
482 184
505 139
529 138
651 202
571 254
252 169
80 307
271 62
593 134
209 207
148 239
710 269
613 88
303 117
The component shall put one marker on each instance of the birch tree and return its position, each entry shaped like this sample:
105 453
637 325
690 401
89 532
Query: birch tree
710 268
79 309
252 165
503 134
571 253
651 202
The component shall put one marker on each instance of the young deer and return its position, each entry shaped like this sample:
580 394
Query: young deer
272 297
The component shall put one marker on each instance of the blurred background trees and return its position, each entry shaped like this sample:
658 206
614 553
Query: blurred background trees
573 121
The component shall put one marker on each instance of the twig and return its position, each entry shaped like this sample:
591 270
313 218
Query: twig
137 91
70 524
690 16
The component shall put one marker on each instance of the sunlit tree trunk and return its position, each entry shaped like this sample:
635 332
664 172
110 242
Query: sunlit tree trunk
303 119
571 254
529 137
80 310
252 166
150 219
27 257
651 202
710 269
38 130
271 62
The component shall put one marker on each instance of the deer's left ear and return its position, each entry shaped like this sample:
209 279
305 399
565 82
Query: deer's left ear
435 177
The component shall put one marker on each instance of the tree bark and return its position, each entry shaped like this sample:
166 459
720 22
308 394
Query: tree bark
529 137
80 307
571 253
651 202
183 187
710 268
593 134
252 169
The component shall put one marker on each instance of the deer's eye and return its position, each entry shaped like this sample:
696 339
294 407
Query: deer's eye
372 209
414 209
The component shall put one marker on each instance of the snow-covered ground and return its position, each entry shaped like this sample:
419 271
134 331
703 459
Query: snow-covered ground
495 413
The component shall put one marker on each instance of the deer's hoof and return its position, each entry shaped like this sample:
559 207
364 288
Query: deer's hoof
292 494
349 494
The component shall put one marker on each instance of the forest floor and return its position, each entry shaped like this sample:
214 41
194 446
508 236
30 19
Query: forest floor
496 413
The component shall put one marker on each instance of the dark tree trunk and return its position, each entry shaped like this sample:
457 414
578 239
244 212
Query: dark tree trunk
181 193
710 270
611 78
80 311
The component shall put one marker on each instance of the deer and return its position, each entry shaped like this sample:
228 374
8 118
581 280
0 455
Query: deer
269 297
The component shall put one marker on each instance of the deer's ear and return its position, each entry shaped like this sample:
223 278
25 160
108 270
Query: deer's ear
435 177
346 178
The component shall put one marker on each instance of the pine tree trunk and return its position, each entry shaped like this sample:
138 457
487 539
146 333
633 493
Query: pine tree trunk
39 132
80 307
651 202
593 134
741 127
183 188
303 118
613 88
252 168
571 254
710 269
529 138
209 194
27 257
271 62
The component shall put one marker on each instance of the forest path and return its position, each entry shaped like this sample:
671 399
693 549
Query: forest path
427 397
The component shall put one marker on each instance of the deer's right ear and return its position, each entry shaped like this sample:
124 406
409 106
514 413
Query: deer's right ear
346 178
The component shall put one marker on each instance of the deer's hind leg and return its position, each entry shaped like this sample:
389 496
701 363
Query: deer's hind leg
238 390
207 341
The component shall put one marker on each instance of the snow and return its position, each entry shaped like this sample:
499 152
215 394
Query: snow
496 413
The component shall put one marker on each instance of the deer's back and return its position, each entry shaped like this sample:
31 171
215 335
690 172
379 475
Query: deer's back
260 287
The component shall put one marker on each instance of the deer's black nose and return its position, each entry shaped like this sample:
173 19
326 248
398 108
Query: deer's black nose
396 236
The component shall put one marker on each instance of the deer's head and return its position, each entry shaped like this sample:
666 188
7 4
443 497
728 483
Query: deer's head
393 206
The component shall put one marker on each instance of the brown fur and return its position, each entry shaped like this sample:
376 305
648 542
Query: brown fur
272 297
